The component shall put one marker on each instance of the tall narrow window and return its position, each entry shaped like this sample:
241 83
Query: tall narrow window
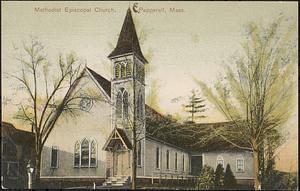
85 153
140 106
183 162
123 70
54 157
117 70
168 159
157 158
142 74
139 153
240 165
176 165
77 153
128 69
125 105
93 154
119 104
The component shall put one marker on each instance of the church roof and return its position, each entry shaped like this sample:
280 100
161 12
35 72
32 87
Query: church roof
161 127
128 41
104 83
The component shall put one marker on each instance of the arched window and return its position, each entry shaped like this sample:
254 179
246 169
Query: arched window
139 153
141 106
220 160
142 73
119 104
138 108
168 159
125 105
93 154
77 153
117 70
128 69
123 70
85 153
240 164
176 163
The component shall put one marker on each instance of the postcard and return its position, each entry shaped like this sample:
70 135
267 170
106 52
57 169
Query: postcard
149 95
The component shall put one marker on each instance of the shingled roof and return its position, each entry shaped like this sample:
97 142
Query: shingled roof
161 127
104 83
128 41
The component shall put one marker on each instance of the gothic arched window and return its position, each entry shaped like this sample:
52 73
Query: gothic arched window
93 154
139 153
128 69
125 104
123 70
141 106
220 160
77 153
117 70
119 104
85 153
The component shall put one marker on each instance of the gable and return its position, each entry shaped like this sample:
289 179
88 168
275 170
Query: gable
103 84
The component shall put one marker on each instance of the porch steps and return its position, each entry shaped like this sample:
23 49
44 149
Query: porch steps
116 181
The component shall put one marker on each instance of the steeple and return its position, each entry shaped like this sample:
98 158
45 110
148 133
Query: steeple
128 41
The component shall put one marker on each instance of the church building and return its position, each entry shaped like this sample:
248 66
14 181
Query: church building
97 146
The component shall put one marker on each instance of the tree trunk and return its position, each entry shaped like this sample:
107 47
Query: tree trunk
257 182
134 162
37 170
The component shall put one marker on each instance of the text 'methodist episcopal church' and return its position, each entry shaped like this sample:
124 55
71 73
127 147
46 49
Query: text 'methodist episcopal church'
96 147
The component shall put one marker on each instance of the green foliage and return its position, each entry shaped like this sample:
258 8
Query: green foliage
229 179
206 178
258 90
219 177
195 105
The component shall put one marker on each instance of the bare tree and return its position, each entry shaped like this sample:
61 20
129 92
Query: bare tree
257 94
49 97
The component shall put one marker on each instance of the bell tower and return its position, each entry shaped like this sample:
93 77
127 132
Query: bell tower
128 82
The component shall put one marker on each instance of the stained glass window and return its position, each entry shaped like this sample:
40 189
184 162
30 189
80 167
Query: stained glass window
93 153
119 104
77 153
85 153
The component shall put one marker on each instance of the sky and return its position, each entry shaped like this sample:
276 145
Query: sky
194 42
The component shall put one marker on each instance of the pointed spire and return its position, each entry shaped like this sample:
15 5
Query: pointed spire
128 41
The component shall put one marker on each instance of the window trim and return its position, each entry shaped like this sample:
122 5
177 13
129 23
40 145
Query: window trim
157 159
236 166
183 163
167 159
96 154
54 167
176 162
139 158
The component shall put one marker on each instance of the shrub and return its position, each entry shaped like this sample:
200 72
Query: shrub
206 178
219 176
229 179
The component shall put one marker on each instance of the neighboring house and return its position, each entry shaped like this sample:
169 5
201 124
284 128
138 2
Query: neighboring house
17 150
98 144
